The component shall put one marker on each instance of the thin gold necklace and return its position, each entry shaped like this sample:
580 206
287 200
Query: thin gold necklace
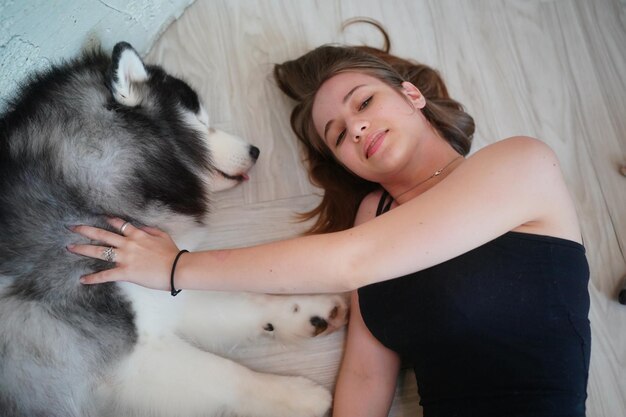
435 174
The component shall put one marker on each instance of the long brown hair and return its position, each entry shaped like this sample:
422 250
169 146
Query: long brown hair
301 78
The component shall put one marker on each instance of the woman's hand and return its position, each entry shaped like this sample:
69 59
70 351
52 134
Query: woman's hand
143 256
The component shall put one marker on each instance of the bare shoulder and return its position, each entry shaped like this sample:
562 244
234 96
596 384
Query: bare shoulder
512 185
518 162
523 162
523 149
367 208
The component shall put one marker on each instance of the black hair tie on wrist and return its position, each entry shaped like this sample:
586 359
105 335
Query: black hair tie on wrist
174 290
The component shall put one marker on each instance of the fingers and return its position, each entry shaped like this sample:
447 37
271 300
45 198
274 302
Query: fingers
132 249
127 229
108 275
124 227
106 253
97 252
95 233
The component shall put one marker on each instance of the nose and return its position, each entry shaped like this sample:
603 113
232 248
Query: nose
319 324
254 152
359 129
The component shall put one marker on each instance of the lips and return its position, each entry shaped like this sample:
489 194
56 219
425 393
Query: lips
240 178
373 142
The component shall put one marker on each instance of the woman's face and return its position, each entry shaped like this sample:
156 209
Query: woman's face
369 126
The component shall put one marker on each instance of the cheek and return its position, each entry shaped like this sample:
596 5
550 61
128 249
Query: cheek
344 156
347 158
403 109
410 121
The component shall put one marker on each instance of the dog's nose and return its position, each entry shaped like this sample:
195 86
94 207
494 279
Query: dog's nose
319 323
254 152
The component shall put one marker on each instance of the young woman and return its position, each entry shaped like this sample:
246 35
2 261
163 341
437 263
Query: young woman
475 275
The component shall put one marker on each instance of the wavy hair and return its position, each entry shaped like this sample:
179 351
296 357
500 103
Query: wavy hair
300 80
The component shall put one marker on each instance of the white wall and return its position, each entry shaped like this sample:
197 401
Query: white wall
34 33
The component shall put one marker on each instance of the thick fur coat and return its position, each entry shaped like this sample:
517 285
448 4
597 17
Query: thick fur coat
106 135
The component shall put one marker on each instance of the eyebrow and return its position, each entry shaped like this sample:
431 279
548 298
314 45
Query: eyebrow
345 99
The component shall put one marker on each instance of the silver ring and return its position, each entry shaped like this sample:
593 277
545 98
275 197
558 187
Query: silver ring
108 255
124 227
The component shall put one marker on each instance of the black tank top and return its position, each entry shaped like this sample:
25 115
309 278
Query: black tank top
501 330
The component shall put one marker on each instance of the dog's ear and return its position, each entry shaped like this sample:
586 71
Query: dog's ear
126 71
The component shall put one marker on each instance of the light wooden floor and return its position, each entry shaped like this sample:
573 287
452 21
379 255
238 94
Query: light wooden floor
550 69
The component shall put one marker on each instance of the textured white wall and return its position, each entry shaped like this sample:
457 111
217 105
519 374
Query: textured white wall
34 33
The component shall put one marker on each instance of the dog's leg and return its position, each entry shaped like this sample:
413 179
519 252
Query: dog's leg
169 377
238 318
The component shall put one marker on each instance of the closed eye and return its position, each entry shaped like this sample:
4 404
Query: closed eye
340 137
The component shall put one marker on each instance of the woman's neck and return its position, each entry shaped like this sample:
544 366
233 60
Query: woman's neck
434 161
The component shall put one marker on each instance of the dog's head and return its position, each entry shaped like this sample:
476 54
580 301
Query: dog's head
138 86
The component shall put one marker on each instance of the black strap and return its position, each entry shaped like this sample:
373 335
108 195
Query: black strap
382 208
174 290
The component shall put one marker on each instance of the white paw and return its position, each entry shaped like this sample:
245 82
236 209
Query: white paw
306 316
302 397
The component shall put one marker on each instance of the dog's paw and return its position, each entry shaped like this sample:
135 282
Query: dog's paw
314 400
306 316
299 396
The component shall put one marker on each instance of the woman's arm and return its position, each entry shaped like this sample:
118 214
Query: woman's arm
510 184
368 372
506 185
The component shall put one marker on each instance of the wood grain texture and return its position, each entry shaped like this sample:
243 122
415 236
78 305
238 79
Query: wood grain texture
554 69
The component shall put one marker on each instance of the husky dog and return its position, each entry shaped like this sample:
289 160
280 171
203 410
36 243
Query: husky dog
108 135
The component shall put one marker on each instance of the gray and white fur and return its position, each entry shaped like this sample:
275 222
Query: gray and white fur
106 135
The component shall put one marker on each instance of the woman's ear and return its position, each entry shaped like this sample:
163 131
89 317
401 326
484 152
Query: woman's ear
414 94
